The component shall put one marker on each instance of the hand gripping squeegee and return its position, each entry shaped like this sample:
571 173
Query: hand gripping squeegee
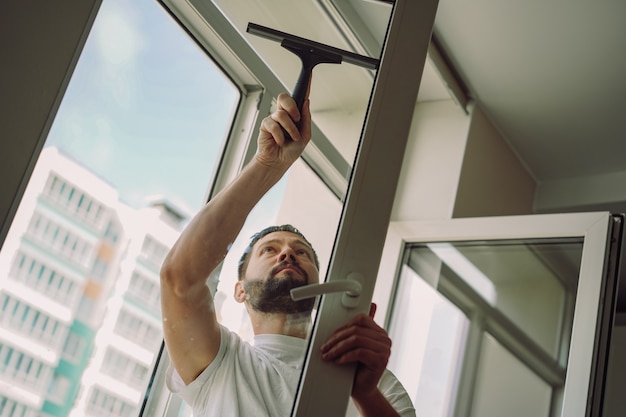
311 53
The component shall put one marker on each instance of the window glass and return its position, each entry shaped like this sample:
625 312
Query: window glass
486 322
300 199
427 359
504 386
128 159
339 101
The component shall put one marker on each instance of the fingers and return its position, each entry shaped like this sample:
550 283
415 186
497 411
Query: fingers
287 103
373 308
359 341
287 118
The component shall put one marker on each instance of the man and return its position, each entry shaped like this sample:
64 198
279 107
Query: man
212 368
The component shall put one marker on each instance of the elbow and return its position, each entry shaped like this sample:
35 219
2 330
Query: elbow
181 281
173 279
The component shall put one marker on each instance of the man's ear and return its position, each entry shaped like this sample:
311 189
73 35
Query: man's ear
240 292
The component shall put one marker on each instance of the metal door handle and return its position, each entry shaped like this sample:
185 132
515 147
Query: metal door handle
351 288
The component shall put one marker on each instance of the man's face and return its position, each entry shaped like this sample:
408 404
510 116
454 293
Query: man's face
279 262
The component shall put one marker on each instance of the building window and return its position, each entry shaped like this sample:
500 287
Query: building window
22 368
137 329
74 348
124 368
11 408
60 239
80 204
146 291
59 389
30 321
43 278
153 251
105 404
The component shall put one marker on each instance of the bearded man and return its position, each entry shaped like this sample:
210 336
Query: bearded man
215 371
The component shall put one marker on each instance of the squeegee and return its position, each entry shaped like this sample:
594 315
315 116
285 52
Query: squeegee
310 53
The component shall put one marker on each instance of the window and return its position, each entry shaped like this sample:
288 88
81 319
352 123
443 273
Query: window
30 321
154 251
11 408
76 202
104 404
59 389
124 368
22 369
329 231
60 239
135 141
491 311
74 348
501 315
138 329
145 290
38 275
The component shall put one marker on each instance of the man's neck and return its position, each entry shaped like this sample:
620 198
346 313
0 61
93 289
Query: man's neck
296 325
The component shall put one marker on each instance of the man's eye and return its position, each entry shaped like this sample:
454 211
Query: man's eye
267 249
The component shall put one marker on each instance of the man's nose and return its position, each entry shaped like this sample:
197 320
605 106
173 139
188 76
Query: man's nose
287 254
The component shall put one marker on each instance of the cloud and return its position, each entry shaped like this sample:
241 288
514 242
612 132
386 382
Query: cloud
119 44
117 37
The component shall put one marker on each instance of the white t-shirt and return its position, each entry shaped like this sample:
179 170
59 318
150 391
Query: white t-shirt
260 380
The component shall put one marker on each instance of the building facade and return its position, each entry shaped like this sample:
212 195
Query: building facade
80 322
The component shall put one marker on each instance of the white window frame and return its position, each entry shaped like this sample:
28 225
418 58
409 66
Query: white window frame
594 228
373 181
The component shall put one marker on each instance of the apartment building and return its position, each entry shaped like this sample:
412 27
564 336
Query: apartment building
79 298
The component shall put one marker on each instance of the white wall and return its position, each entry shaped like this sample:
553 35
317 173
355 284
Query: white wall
493 181
432 163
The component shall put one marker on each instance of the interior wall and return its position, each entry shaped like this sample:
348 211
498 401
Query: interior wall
432 162
616 375
493 182
40 42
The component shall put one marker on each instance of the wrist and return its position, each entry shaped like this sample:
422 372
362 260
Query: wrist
373 403
270 167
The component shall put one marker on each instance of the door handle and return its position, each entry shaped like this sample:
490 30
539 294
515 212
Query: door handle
351 288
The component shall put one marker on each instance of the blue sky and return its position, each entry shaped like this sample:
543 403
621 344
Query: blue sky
145 109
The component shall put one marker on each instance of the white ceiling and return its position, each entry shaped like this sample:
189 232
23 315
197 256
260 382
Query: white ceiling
549 75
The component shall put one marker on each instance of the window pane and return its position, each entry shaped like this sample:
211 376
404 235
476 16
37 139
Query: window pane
532 284
300 199
512 305
128 159
505 387
429 335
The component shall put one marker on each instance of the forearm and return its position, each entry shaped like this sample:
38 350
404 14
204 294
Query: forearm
205 241
374 405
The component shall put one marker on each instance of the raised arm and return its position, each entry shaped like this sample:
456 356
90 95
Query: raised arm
190 326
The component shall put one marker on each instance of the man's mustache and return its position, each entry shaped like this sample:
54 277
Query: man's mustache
290 264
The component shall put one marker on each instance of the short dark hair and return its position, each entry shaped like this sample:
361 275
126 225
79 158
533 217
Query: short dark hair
245 257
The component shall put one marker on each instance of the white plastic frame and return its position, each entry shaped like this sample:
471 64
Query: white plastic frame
594 228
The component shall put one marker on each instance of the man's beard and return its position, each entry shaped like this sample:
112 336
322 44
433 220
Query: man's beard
273 295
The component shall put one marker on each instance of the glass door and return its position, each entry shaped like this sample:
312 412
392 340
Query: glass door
356 241
503 316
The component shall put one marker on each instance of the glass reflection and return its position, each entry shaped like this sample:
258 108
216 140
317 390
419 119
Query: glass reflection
340 92
510 305
339 100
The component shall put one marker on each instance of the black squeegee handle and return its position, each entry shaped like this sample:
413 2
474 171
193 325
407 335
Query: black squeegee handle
310 53
310 57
